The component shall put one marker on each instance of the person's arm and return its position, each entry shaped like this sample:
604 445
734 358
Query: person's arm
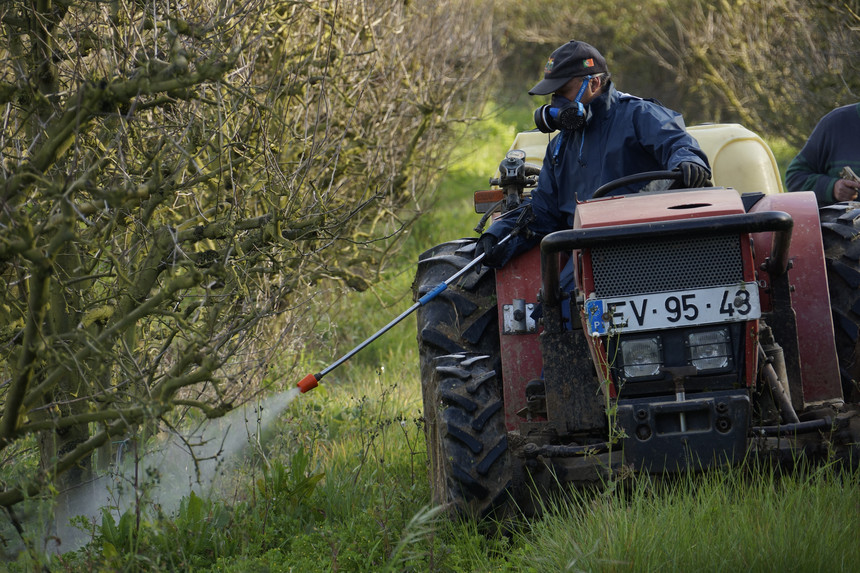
662 132
816 166
804 174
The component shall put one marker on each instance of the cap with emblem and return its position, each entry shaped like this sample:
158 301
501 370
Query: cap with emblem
569 61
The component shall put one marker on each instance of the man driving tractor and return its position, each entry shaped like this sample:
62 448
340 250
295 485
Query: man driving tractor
603 134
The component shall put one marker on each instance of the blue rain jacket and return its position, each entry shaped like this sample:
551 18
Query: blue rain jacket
624 135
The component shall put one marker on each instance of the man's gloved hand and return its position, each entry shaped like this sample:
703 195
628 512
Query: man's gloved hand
694 175
488 245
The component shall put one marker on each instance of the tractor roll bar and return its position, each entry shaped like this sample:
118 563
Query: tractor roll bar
778 222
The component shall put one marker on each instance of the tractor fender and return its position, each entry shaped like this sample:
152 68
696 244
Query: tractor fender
810 300
520 351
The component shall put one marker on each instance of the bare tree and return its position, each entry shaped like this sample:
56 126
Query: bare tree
176 176
777 65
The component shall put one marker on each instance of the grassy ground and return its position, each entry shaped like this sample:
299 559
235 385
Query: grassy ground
341 484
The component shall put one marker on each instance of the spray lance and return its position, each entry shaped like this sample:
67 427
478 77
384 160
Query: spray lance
311 381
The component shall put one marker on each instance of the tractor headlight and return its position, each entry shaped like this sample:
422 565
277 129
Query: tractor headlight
642 357
710 349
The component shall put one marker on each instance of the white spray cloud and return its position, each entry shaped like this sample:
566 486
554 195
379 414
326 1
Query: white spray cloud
174 468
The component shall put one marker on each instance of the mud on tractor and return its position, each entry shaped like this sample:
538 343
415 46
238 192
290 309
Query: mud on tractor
706 325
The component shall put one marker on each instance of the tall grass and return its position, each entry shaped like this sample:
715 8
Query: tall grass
341 485
736 519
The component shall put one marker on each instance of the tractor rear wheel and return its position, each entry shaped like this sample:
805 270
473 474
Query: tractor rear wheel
840 229
458 341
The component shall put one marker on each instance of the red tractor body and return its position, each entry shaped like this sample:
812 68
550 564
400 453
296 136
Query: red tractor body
699 329
819 379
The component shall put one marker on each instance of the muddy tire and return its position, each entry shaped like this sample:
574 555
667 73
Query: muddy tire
840 228
463 318
458 340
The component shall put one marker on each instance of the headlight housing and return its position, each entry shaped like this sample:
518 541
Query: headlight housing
710 350
642 357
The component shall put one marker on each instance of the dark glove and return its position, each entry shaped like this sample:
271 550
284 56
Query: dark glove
694 175
488 245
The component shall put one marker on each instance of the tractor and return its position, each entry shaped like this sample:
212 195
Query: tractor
706 326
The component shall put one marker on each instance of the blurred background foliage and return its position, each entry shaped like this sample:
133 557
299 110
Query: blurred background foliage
776 66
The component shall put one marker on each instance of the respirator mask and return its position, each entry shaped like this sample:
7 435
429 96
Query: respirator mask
561 113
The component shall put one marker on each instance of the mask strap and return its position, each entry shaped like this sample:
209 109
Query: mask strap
582 88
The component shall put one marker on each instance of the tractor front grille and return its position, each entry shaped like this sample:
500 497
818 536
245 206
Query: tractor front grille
666 265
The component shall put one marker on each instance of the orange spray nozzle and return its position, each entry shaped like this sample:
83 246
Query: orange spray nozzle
309 382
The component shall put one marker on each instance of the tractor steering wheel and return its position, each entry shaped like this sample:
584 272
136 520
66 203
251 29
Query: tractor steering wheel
636 178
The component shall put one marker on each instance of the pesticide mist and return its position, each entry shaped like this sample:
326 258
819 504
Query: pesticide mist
174 467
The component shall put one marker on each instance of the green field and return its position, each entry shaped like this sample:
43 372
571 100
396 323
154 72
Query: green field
340 482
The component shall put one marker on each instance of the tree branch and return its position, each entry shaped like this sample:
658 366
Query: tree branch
109 334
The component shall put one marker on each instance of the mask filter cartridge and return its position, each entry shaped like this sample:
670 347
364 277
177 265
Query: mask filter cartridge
562 113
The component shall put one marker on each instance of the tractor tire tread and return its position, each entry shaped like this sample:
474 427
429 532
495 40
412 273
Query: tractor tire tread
458 339
840 230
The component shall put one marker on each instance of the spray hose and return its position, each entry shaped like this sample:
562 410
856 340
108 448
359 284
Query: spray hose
311 381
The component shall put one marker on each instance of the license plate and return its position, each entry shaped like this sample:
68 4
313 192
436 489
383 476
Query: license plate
673 309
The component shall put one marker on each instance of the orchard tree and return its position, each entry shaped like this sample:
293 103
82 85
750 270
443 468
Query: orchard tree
175 179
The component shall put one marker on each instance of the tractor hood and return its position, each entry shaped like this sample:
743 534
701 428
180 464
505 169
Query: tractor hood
657 206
